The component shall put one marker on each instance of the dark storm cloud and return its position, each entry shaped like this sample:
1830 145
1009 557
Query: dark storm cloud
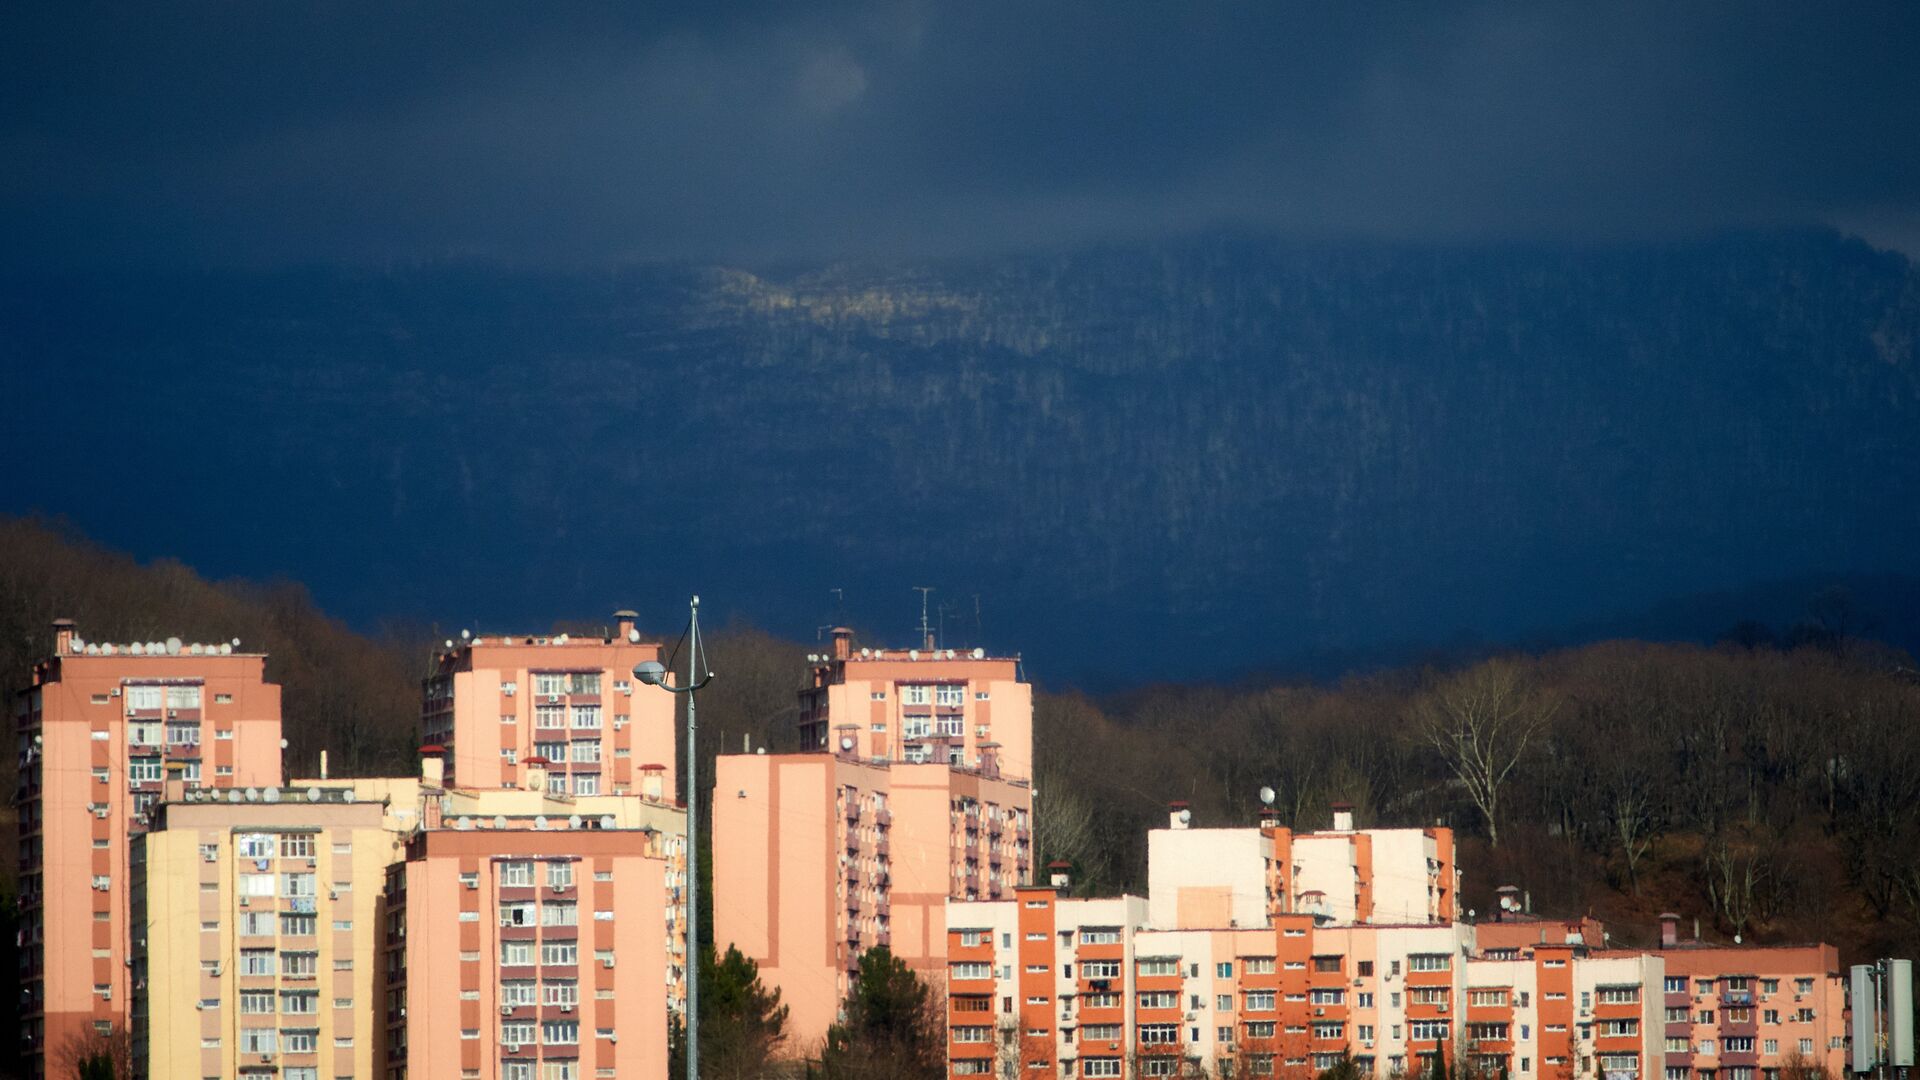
286 132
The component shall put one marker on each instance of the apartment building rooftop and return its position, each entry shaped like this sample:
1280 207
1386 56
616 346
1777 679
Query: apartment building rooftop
68 642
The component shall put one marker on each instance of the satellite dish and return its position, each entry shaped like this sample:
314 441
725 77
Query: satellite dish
234 795
499 821
864 653
1266 795
313 794
466 635
846 742
253 794
633 636
913 654
136 648
271 794
226 650
236 643
93 650
348 795
607 822
283 744
198 649
1186 816
561 640
449 643
573 822
463 823
540 822
173 646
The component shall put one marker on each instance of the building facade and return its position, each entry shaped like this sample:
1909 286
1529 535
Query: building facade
497 703
818 857
919 705
260 943
98 727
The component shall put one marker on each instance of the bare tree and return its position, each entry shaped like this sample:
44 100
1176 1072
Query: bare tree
1482 721
91 1055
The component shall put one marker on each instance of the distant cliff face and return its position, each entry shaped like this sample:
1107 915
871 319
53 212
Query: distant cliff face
1141 461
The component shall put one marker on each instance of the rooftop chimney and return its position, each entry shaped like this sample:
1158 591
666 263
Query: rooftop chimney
623 619
842 643
1178 816
652 781
1669 930
62 636
174 788
536 774
1509 901
1343 817
1060 874
433 765
990 759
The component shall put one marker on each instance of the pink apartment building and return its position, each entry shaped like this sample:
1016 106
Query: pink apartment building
98 727
524 948
495 703
918 794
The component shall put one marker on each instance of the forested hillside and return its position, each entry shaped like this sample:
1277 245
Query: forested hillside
1278 453
1768 785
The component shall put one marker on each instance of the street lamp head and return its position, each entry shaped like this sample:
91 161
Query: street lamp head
651 672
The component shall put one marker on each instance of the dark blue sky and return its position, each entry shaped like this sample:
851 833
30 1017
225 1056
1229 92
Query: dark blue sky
214 132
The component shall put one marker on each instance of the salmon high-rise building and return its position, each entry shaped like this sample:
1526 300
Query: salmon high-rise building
496 703
99 727
916 790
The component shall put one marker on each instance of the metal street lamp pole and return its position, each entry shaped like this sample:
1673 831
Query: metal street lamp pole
654 673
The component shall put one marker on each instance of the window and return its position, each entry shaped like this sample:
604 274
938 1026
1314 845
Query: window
1160 999
1363 1032
1806 1046
561 992
1158 965
1738 1044
1102 1000
1156 1065
256 961
1676 984
913 695
258 1040
1257 965
560 1032
1486 997
586 784
296 925
1327 963
1261 1029
1329 997
140 770
516 1032
1100 969
1259 1001
1770 1046
549 717
1619 995
255 845
516 874
145 734
143 697
183 733
953 696
1223 970
1428 995
1100 1067
516 953
516 992
299 965
255 1002
1159 1034
296 846
560 913
305 1002
1428 1030
559 953
586 717
1434 962
1364 999
298 885
1616 1028
1803 986
972 1034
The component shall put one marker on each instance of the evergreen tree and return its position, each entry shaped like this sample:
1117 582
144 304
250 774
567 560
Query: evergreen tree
892 1027
742 1023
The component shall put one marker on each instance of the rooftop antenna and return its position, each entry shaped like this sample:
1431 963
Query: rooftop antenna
926 629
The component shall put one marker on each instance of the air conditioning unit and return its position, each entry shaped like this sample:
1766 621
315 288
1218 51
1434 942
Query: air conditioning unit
512 1048
245 902
102 813
506 1010
173 714
218 969
1323 1012
115 692
608 962
1443 1007
566 1008
553 699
